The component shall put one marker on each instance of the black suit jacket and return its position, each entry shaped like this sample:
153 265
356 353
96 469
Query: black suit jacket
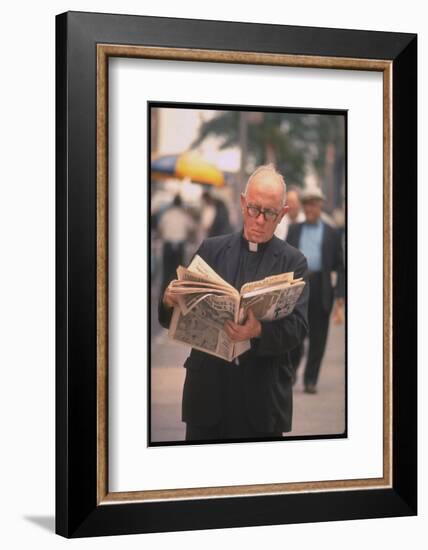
265 369
331 260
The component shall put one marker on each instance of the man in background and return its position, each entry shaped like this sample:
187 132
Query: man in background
215 216
174 227
321 245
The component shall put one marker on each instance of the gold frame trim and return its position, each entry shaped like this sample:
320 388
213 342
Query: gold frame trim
104 51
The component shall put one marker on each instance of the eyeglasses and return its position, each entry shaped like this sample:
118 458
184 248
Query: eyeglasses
268 214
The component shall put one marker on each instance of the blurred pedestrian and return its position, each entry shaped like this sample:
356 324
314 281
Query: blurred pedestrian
294 214
174 228
321 244
215 216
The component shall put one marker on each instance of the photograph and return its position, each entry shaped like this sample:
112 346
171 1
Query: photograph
247 210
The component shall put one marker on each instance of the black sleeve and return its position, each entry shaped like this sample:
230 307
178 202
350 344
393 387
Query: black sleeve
164 313
278 337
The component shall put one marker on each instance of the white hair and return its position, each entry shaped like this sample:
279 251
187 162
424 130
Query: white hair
272 170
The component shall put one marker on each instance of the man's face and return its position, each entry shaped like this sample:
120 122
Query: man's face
293 204
312 209
264 192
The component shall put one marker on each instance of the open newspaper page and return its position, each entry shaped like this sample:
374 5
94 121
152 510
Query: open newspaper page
196 282
273 280
187 276
272 302
189 293
206 302
200 267
202 326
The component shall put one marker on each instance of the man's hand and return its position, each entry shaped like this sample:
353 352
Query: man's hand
169 299
339 311
250 329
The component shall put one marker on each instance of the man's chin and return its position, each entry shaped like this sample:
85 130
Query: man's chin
258 238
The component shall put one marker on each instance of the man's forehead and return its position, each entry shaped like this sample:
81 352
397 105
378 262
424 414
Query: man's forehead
292 195
266 188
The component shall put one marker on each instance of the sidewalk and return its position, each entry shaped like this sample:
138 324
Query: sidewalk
324 412
320 414
166 387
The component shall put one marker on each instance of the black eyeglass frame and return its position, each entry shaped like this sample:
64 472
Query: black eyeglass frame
263 211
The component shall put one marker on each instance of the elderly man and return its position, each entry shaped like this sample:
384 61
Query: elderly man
321 245
250 397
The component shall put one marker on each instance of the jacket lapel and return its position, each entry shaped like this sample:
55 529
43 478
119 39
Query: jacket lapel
325 245
231 258
270 258
294 233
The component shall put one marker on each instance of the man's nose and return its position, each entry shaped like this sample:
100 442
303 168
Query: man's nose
260 218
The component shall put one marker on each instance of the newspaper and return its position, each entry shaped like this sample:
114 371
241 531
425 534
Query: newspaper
206 302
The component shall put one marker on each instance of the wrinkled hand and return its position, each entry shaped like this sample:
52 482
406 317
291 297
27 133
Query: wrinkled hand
169 299
252 328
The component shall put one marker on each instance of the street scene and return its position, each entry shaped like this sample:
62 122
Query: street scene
199 182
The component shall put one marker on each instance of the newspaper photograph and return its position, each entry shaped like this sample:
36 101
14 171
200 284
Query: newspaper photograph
202 328
274 304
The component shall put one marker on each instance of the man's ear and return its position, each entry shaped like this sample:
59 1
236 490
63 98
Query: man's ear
283 212
242 201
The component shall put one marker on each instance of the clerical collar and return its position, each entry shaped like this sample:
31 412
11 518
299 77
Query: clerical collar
253 247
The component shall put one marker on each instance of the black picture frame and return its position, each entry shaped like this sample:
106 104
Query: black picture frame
80 511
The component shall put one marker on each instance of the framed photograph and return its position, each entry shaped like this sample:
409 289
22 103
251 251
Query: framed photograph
184 211
165 128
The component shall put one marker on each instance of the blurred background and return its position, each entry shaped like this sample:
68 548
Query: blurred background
205 156
200 161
